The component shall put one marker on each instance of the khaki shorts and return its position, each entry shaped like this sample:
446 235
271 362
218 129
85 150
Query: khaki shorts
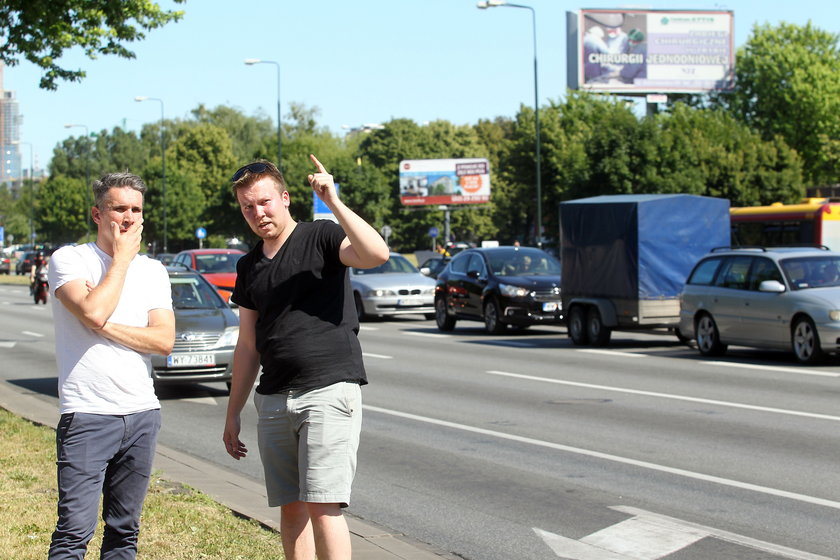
308 442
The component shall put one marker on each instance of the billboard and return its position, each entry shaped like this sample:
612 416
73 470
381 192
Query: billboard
444 181
651 51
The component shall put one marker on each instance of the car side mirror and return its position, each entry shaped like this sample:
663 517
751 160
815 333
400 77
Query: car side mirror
772 286
474 274
426 271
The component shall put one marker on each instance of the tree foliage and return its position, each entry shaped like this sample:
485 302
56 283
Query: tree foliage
41 30
788 84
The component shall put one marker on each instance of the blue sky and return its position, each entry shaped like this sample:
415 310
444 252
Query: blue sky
362 61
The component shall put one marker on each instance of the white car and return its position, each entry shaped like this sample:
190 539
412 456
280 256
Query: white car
394 288
781 298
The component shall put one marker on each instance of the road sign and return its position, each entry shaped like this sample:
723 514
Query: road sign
433 232
200 233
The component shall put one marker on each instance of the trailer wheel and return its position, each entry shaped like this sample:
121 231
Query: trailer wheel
599 335
577 326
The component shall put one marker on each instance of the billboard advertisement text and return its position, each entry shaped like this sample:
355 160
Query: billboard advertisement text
651 51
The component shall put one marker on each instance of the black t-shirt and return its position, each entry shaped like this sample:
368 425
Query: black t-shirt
306 332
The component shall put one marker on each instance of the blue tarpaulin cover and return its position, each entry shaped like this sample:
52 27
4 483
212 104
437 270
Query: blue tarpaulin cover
638 246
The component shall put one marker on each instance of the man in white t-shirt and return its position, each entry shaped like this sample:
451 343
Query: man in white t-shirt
112 310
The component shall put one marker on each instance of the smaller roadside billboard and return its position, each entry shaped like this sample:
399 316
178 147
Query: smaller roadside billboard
634 51
444 181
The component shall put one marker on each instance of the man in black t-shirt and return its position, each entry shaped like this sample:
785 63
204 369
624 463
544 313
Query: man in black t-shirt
298 321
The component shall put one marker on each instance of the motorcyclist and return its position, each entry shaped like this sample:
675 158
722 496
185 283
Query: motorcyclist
39 265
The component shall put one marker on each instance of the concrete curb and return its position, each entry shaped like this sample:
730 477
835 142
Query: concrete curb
242 495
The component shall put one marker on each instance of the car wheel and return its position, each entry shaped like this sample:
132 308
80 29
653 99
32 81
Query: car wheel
806 342
360 308
444 321
707 336
599 335
577 326
492 313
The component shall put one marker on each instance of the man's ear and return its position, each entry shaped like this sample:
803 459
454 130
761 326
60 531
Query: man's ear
95 215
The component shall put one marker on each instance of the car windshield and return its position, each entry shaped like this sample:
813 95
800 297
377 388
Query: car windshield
523 262
189 292
215 263
812 272
396 264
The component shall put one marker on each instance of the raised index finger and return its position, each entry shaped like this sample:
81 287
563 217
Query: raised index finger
318 164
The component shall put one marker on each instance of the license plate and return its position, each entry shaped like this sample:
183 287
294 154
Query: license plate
550 307
183 360
409 302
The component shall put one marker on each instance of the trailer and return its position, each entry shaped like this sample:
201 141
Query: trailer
625 259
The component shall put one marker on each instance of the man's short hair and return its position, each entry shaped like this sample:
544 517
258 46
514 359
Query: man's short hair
248 174
119 180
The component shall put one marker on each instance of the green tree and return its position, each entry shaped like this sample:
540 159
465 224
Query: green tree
62 209
41 30
403 139
788 84
205 153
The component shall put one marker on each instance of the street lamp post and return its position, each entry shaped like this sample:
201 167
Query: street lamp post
502 3
31 192
87 173
163 164
249 62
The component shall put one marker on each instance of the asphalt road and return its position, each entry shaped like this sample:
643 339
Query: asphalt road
524 446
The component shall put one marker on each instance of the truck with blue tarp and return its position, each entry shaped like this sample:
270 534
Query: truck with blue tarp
625 259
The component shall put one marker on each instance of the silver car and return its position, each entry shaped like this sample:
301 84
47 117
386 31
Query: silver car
780 298
206 331
394 288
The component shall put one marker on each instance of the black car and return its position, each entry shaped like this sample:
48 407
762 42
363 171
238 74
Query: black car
433 266
501 286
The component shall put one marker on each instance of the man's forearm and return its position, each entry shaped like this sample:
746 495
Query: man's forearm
366 241
157 339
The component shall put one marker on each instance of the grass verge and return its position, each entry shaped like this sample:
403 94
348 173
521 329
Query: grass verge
178 523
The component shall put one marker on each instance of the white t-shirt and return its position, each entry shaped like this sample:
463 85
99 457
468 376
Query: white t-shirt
97 375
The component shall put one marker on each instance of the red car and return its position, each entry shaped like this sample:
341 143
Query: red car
218 266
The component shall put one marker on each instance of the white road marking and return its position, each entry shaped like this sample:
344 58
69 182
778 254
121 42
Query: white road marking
366 328
800 371
615 458
380 356
612 353
649 536
30 333
429 335
7 344
728 404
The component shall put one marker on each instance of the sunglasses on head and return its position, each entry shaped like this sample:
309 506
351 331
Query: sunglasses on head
250 168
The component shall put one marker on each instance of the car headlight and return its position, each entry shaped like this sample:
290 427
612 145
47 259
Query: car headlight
834 314
428 291
228 338
514 291
381 293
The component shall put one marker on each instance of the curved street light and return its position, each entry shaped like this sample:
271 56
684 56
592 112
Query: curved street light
252 61
163 164
483 5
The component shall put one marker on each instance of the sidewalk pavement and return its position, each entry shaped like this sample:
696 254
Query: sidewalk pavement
242 495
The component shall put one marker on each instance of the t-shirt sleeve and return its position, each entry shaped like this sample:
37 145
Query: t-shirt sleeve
64 267
162 292
332 235
240 292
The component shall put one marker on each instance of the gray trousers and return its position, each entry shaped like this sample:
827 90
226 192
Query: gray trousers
103 455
